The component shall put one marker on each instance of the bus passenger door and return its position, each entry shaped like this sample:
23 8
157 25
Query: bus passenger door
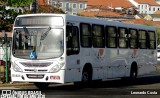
72 50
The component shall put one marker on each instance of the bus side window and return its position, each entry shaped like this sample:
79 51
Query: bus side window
111 37
122 37
72 40
151 39
142 39
98 36
86 37
133 38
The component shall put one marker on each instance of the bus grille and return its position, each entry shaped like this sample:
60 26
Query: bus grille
36 64
33 70
35 76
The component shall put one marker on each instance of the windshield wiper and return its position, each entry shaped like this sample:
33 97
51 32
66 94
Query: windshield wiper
44 34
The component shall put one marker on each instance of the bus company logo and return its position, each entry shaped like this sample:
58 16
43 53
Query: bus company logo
35 70
134 52
101 53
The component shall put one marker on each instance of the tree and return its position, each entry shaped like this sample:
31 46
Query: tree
19 3
7 19
8 16
3 1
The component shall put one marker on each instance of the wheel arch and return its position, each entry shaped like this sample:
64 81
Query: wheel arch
88 67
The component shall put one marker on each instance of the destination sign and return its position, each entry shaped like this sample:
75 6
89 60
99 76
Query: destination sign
39 21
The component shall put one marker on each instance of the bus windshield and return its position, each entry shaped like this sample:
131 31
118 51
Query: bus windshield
44 42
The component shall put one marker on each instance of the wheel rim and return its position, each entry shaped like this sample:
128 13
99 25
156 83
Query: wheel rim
85 77
134 74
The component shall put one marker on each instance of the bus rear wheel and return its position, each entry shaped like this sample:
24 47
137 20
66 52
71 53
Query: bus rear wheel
133 73
41 85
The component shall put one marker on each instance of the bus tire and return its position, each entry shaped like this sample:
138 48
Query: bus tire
133 72
86 77
41 85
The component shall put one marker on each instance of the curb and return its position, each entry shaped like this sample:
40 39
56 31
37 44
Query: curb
10 84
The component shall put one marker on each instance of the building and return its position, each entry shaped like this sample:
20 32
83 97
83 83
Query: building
152 17
112 4
146 6
110 9
68 6
43 2
158 1
130 6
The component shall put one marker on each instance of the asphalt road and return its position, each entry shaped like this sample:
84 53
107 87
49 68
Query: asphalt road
144 87
109 88
148 87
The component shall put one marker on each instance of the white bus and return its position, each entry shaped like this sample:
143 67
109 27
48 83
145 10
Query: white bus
60 48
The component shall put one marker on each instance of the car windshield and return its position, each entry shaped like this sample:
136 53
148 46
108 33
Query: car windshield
37 43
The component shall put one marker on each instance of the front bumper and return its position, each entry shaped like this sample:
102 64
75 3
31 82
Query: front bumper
37 77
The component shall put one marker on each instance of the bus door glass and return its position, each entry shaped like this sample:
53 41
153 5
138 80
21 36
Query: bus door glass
72 40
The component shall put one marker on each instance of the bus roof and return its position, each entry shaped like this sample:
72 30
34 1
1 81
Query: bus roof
93 20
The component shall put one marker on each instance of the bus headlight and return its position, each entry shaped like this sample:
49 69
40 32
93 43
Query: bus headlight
16 68
56 68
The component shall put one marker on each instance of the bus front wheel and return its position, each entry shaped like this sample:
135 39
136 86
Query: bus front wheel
41 85
86 77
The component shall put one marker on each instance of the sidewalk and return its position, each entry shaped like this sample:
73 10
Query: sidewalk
10 84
